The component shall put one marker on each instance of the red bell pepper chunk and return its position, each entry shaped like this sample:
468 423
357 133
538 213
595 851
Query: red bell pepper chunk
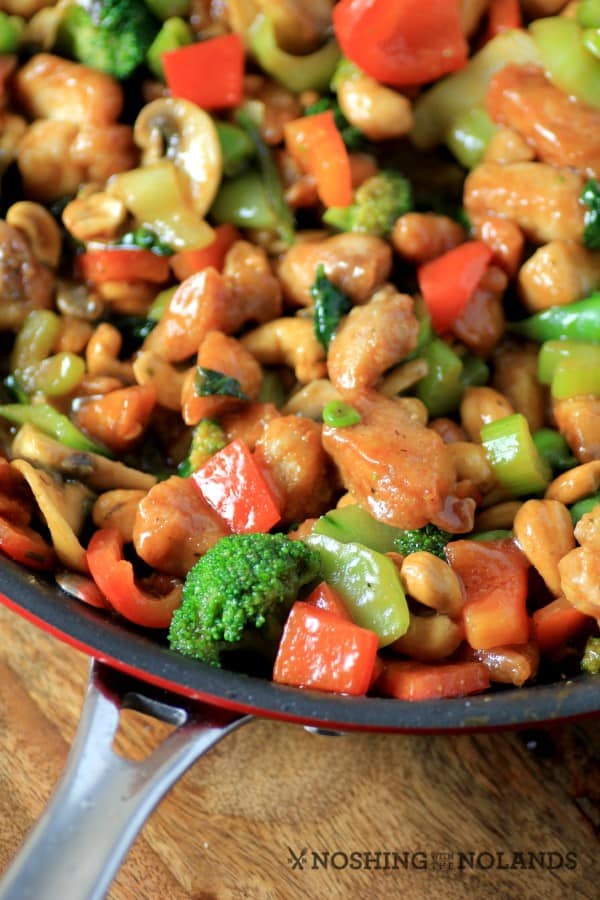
315 143
494 575
322 651
407 680
26 546
82 588
123 265
401 42
448 282
327 598
188 262
555 623
209 73
502 16
234 485
115 578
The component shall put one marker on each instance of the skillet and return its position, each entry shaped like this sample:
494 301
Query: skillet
102 800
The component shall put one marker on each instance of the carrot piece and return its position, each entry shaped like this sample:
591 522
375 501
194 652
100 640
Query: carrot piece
118 419
327 598
232 483
323 651
123 265
209 73
316 145
448 282
556 623
188 262
407 680
495 578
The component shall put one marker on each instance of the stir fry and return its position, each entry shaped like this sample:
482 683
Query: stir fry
300 316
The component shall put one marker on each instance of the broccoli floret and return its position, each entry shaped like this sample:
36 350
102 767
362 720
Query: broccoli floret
207 439
378 202
330 306
591 197
429 538
113 36
238 594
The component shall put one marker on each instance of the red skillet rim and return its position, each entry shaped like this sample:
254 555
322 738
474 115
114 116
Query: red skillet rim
138 653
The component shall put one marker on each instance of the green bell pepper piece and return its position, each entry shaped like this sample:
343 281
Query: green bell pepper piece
35 339
174 33
272 390
352 524
311 72
52 423
475 373
160 303
58 374
369 584
468 136
552 447
568 63
582 507
513 455
579 321
236 148
441 389
243 201
591 40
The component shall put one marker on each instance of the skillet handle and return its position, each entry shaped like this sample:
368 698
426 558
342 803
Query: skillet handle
102 800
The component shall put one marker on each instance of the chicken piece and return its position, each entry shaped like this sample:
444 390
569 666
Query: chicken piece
290 449
371 339
562 130
357 264
174 527
396 468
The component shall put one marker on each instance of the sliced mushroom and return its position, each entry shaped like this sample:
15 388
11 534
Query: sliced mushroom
184 133
63 507
99 473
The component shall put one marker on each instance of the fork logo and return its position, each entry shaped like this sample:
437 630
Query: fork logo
297 860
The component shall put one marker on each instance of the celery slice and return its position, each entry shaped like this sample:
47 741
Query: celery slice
513 455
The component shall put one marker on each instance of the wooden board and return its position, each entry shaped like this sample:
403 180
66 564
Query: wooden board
277 812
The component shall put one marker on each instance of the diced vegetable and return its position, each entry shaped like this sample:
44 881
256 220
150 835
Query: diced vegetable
503 15
441 389
188 262
236 148
26 547
554 353
352 524
123 265
590 661
448 282
326 598
233 484
553 449
513 455
338 414
495 580
556 623
53 423
469 135
415 681
114 576
401 43
573 377
558 40
209 73
321 651
579 321
174 33
591 197
317 146
582 507
311 72
368 583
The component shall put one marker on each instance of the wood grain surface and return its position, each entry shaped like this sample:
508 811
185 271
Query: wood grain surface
237 824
